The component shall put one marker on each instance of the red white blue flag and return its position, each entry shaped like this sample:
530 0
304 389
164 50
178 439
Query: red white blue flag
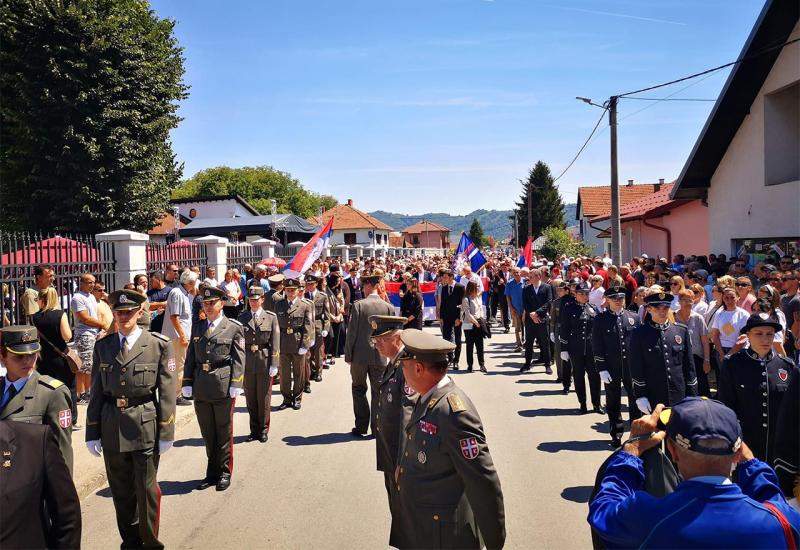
467 252
310 252
525 257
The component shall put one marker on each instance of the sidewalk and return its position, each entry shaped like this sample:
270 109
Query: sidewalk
89 472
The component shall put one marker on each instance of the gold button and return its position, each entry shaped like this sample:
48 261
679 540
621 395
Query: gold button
122 383
409 437
401 470
406 453
424 442
123 370
435 517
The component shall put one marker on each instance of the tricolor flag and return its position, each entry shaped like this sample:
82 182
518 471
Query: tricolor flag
525 256
310 252
468 252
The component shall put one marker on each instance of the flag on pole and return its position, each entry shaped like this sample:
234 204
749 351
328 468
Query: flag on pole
468 252
525 257
310 252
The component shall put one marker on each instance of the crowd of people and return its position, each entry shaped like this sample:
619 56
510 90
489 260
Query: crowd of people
663 331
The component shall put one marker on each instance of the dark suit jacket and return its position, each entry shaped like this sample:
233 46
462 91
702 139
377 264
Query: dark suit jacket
33 473
534 300
450 302
356 294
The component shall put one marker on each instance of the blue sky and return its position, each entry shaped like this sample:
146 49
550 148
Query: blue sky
443 105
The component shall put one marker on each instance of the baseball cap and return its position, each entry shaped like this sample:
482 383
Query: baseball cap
694 420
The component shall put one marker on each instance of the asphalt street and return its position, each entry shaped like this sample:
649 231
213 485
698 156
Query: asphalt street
313 486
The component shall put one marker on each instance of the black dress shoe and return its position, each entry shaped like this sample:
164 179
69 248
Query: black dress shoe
318 378
263 438
616 442
224 482
483 368
206 483
565 391
599 409
296 405
583 410
548 370
469 369
307 389
251 437
358 433
284 405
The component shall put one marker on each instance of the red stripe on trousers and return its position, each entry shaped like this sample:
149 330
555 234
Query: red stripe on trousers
233 406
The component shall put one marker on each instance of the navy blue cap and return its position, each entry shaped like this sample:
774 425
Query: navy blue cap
658 299
615 291
583 286
694 420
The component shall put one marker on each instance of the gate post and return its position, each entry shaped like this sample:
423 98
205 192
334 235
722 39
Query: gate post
266 247
217 253
130 254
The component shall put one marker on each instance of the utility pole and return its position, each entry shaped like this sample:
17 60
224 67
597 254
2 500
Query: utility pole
616 233
530 210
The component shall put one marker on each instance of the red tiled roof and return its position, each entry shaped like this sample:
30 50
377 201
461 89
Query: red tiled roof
398 241
595 201
165 225
648 205
346 216
425 226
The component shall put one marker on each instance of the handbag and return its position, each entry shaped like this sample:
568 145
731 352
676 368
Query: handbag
487 332
71 357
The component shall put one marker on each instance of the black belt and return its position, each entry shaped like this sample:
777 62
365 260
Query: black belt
126 402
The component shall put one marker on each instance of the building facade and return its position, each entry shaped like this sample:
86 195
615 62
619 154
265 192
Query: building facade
352 226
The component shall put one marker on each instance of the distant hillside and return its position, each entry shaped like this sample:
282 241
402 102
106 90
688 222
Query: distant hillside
494 222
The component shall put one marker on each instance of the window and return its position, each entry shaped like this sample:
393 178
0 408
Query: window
349 238
782 135
415 240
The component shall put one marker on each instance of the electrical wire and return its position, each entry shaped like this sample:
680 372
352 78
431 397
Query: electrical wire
667 99
585 143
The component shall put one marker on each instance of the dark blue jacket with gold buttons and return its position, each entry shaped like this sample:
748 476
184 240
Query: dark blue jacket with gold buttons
662 367
611 341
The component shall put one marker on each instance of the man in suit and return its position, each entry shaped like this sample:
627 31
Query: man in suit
40 507
535 295
365 361
354 282
449 314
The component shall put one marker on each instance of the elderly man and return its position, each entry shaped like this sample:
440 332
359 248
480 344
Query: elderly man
178 322
706 510
516 305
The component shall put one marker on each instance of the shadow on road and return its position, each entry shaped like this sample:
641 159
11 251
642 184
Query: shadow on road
531 413
323 439
537 381
539 392
198 441
581 493
178 487
602 427
558 446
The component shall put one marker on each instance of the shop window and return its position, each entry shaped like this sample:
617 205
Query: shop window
349 238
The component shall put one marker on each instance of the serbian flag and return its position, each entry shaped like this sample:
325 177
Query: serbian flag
428 291
310 252
525 254
468 252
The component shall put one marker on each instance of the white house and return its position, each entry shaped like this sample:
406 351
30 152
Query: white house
746 163
220 206
352 226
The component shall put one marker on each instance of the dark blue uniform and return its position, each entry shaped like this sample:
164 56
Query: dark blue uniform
662 368
575 334
610 344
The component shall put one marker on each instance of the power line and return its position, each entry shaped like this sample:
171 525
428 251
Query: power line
667 99
585 143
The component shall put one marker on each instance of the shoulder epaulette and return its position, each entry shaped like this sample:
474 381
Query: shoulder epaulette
160 336
236 322
268 312
456 404
50 382
787 360
306 300
679 324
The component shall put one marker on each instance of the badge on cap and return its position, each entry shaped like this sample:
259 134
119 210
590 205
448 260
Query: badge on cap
27 336
661 295
207 293
783 375
469 448
678 339
65 418
123 299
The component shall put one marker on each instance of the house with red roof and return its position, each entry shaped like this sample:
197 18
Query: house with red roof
427 234
659 226
352 226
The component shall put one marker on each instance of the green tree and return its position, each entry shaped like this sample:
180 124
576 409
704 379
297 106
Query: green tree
547 207
257 185
559 242
476 233
90 92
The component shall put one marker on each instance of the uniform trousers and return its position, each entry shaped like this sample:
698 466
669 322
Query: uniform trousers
216 427
452 333
314 357
539 333
614 402
579 366
703 387
293 376
557 358
258 394
136 495
359 374
396 538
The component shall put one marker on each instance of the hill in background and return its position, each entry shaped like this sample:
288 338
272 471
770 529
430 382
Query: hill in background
494 222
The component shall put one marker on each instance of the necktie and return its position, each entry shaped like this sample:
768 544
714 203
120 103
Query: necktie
123 344
209 329
12 391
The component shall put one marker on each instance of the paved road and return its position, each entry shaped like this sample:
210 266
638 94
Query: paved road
312 486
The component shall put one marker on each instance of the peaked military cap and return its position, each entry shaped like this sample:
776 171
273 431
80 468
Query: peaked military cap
276 279
310 278
615 291
381 324
256 291
425 346
20 339
291 283
126 299
760 320
582 286
575 281
211 293
658 299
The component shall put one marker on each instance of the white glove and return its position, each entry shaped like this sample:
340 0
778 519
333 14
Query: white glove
553 337
164 446
95 447
643 404
324 333
302 351
273 371
235 392
565 356
186 391
605 376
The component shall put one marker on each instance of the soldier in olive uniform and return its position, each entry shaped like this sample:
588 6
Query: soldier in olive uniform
28 396
130 419
295 319
262 349
275 287
214 375
450 495
662 366
610 344
395 404
322 325
576 348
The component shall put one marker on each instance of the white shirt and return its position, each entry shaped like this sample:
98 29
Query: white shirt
130 339
257 313
212 325
596 297
728 323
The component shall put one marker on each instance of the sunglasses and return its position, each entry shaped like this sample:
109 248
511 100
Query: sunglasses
742 284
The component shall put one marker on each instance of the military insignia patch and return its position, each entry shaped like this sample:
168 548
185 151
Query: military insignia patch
455 403
65 418
428 427
469 448
661 295
207 293
630 320
678 339
171 364
27 337
389 398
783 375
123 299
422 457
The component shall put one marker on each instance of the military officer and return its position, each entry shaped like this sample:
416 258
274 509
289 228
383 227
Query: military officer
450 495
295 319
551 313
262 350
28 396
130 419
575 334
396 401
275 287
214 375
662 367
754 382
322 325
610 339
